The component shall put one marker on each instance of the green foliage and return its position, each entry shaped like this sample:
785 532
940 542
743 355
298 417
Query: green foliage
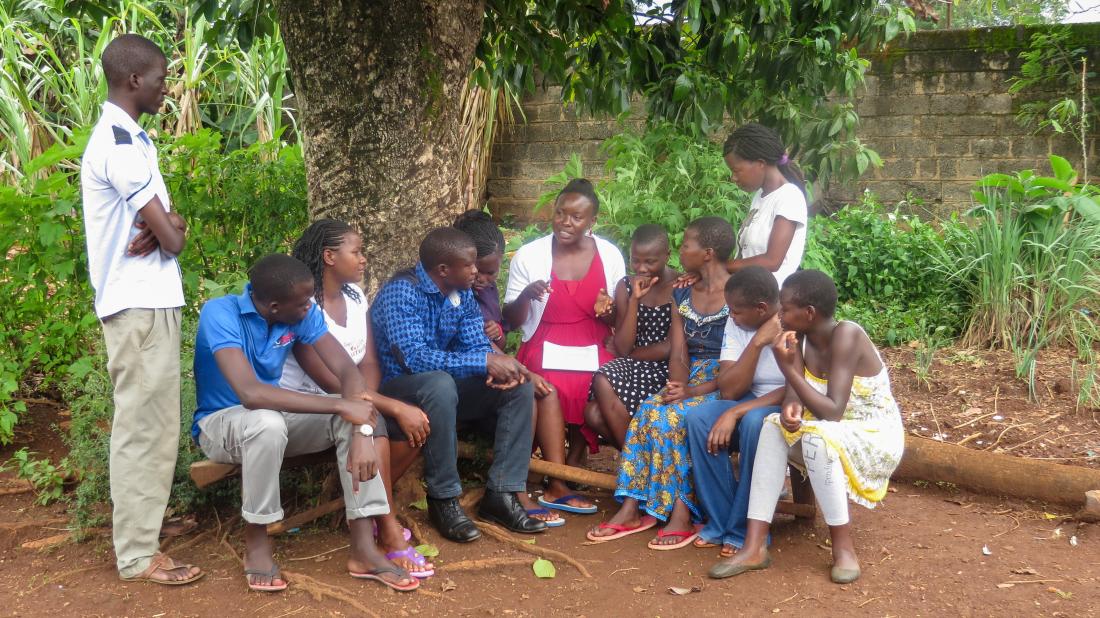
1027 264
884 266
699 64
985 13
240 205
661 176
225 71
45 325
1054 64
46 478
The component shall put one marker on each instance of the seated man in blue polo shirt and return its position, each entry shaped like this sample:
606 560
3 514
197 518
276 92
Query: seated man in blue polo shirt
431 343
243 417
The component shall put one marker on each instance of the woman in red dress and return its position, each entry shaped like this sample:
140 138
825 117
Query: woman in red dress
557 291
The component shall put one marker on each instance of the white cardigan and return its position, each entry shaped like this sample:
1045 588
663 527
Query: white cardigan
534 262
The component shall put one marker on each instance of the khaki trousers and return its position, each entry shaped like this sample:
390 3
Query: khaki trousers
259 440
143 360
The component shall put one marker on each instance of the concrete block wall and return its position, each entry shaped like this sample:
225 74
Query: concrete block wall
936 108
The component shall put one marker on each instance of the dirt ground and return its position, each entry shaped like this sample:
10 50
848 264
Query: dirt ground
929 549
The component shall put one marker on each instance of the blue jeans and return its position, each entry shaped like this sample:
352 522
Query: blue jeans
447 402
724 498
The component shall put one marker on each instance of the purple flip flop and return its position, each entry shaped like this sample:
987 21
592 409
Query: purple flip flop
422 570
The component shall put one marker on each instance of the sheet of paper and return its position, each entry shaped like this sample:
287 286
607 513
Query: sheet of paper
570 358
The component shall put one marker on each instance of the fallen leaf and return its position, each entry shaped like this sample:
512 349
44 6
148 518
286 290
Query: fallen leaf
428 550
544 569
640 590
1025 571
421 504
529 541
1049 516
682 591
448 585
1061 593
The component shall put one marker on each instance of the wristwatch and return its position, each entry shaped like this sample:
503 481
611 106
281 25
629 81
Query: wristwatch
366 430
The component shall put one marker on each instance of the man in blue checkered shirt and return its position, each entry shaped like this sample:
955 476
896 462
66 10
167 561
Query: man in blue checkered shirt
431 343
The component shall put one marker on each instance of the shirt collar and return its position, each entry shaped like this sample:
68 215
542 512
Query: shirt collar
244 301
118 116
428 286
424 282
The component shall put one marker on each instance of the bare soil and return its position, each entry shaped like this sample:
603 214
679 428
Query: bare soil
928 550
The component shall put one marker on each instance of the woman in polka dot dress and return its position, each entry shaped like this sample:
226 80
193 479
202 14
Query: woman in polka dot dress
643 313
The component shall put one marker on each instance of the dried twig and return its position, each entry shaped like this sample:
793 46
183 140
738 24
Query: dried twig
1016 446
1002 434
869 600
318 555
1017 521
485 563
499 534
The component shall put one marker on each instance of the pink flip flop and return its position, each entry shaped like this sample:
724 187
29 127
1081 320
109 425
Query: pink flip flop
376 575
687 537
648 521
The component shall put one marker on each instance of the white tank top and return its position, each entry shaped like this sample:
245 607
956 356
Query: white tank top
353 337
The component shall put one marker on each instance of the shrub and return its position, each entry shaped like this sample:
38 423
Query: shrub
661 176
1027 264
884 264
239 205
44 325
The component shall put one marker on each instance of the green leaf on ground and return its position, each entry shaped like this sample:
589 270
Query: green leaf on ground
421 504
428 550
544 569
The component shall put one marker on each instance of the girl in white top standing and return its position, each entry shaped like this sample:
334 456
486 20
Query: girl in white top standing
773 234
333 250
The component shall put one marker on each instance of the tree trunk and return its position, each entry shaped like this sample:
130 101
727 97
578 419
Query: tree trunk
378 86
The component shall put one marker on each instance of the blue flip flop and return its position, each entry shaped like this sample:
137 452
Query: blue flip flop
562 504
560 521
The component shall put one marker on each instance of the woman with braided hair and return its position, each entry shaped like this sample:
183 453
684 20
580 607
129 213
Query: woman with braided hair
333 250
773 234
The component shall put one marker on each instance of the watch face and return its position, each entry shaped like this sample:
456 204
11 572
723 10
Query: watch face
366 430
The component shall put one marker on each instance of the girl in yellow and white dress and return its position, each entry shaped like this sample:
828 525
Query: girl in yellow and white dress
840 425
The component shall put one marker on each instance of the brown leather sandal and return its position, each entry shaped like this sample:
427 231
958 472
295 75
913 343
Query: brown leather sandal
161 562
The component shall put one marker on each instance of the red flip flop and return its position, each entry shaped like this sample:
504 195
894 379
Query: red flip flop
648 521
686 538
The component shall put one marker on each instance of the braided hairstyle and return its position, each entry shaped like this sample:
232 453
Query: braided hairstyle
583 187
479 225
754 142
322 234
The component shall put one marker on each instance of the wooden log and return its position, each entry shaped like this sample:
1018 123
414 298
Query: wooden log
300 519
607 481
1008 475
208 472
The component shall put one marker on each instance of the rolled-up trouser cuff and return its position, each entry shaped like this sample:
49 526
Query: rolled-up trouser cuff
371 511
254 518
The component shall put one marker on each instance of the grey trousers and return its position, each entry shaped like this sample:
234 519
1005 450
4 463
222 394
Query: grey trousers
259 440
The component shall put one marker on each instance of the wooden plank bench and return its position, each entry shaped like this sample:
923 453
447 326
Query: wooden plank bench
205 473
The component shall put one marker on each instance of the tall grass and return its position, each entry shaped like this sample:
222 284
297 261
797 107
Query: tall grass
1028 265
51 81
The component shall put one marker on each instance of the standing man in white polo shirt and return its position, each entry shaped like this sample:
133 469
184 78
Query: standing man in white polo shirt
133 241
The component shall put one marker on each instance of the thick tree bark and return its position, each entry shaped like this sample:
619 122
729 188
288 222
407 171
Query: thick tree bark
378 86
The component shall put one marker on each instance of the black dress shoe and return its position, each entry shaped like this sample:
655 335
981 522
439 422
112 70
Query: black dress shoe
451 521
505 509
